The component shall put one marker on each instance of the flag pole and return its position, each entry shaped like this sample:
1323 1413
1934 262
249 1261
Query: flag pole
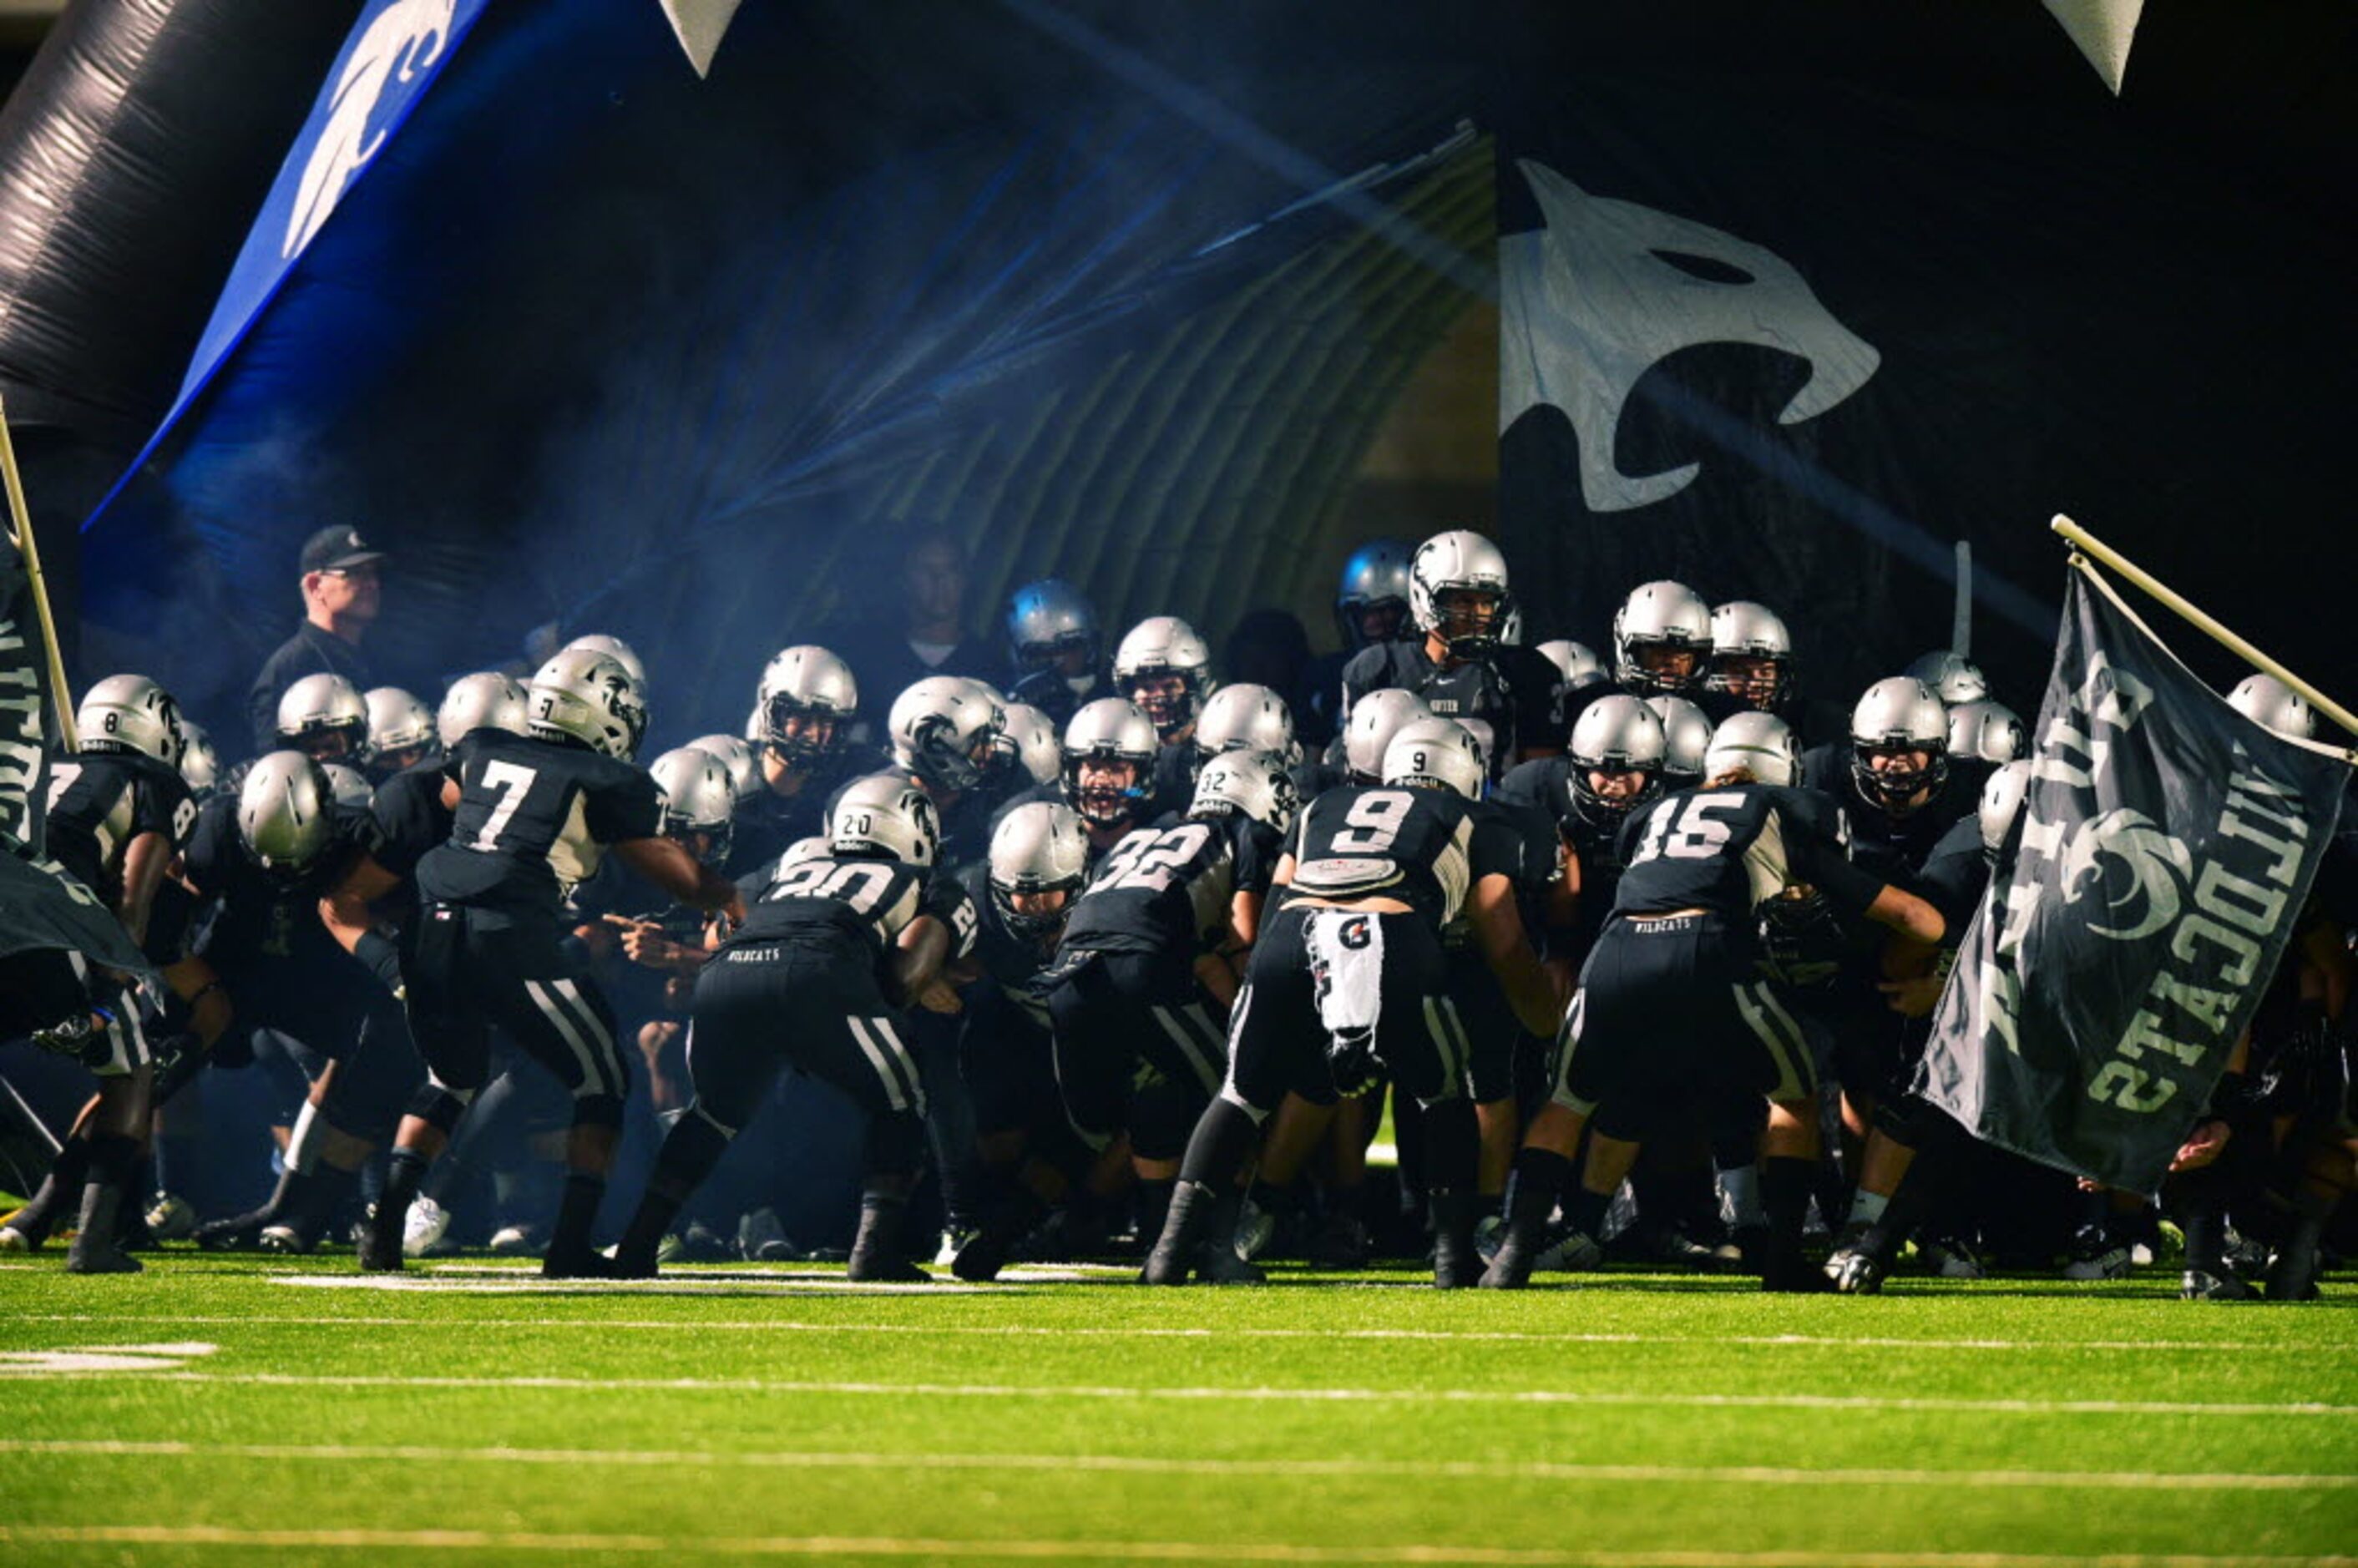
2201 622
27 547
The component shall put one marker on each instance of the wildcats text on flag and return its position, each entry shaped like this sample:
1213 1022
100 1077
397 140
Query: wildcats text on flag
2165 854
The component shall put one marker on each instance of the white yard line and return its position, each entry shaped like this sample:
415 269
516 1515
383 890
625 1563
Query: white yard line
1110 1550
1259 1395
1018 1331
1059 1464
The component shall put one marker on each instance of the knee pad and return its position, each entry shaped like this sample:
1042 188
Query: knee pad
439 1106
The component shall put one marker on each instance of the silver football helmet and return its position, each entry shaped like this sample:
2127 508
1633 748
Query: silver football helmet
1987 729
1038 848
699 797
1375 578
485 700
1686 739
2265 701
1759 741
1028 741
2002 799
1258 784
1375 719
1110 729
1664 617
1576 662
943 730
1434 753
1899 716
1246 717
1954 677
130 713
1047 621
882 815
1745 635
586 695
815 848
1616 734
1460 561
737 760
200 767
615 649
1159 650
325 718
285 812
805 702
401 728
349 785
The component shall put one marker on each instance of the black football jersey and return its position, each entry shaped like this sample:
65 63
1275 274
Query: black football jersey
1511 693
1008 959
258 915
1955 873
1728 850
1167 889
533 820
100 801
1424 847
411 819
767 823
870 901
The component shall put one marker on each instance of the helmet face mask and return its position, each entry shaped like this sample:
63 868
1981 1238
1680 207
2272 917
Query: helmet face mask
1899 745
1662 640
1371 601
1616 752
1050 624
325 718
699 802
1458 592
944 729
1109 758
805 699
1165 669
1039 859
1751 656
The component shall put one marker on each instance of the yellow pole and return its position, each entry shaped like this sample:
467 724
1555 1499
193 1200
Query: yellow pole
30 549
2136 574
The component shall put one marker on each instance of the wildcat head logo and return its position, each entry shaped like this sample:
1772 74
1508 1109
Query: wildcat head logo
2120 844
1595 299
406 37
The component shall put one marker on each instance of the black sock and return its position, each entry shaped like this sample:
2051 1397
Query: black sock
1152 1203
62 1188
1224 1140
405 1173
1532 1186
1585 1210
307 1210
577 1212
689 1150
1785 1198
2201 1205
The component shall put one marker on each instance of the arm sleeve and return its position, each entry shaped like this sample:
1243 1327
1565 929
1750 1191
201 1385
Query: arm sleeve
947 901
1495 849
1818 859
1257 849
157 805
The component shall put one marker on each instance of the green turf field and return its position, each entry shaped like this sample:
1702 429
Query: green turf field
757 1414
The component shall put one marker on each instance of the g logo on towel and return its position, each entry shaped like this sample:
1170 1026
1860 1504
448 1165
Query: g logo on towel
1355 934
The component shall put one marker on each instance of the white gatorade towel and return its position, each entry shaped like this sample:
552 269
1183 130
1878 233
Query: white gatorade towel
1346 960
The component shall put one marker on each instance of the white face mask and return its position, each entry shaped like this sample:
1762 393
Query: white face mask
1081 683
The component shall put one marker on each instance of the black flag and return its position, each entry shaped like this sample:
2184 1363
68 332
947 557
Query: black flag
2166 850
41 905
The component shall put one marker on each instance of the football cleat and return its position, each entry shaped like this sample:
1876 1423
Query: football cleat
579 1261
15 1240
1950 1257
2097 1254
1569 1252
427 1223
516 1241
2201 1285
380 1245
283 1239
171 1218
1340 1243
762 1239
1855 1271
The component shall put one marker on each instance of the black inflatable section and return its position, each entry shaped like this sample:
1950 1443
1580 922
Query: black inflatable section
133 154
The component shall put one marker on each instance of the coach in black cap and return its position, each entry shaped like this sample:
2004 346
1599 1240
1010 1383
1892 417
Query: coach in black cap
340 602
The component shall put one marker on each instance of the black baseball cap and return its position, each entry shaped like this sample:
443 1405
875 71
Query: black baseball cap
333 548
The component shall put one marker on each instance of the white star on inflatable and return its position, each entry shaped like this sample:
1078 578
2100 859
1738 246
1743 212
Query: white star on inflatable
700 24
2102 30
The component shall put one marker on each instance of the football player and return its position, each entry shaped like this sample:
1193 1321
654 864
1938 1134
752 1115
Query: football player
1349 980
1750 663
325 718
1370 607
534 815
1149 960
1108 778
945 734
1668 1005
119 812
402 732
1054 637
1661 641
1029 755
1686 737
803 711
1462 667
1039 859
815 976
